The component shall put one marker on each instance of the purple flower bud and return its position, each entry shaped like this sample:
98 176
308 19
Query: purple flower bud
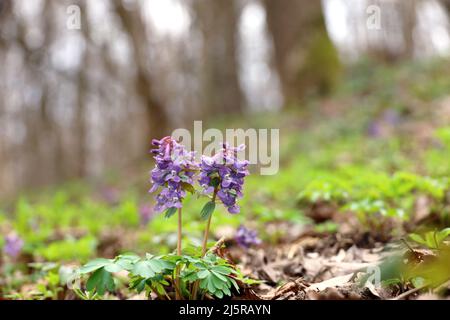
13 245
246 237
225 173
173 173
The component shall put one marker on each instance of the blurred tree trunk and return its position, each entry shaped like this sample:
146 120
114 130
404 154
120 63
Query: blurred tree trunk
218 23
304 55
135 27
394 39
82 87
409 21
446 4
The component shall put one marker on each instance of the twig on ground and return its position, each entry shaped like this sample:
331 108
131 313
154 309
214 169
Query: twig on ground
409 292
217 246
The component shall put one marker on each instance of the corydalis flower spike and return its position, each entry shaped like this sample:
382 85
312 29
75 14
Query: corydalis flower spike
246 237
13 245
225 173
173 173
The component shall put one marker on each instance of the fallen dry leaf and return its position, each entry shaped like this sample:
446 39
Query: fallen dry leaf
330 283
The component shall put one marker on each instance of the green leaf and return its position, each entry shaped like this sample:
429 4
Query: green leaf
441 235
417 238
129 256
190 276
430 240
127 261
113 267
160 289
220 276
227 291
141 286
207 210
234 284
138 283
218 294
94 265
218 283
203 274
167 265
222 270
210 285
170 212
143 269
101 280
125 264
188 187
156 265
151 267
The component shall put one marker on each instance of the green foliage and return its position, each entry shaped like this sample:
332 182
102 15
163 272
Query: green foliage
156 274
170 212
208 210
68 249
329 191
366 193
101 280
369 207
431 239
216 276
436 159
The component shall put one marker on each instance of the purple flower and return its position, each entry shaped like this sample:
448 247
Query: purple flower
224 173
173 173
389 118
146 213
246 237
13 245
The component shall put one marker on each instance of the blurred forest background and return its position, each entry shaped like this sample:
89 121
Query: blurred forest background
77 101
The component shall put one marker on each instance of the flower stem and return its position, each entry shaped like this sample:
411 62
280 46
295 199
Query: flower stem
179 232
177 275
205 236
208 225
205 244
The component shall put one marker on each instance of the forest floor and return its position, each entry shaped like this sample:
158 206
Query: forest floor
359 209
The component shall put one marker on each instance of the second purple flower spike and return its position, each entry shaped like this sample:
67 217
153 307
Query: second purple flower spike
224 174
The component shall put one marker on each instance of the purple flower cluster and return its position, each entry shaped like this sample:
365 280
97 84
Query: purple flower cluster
389 119
246 237
173 173
13 245
224 173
